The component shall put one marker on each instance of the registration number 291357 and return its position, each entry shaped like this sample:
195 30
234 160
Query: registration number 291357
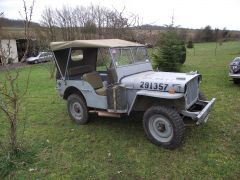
153 86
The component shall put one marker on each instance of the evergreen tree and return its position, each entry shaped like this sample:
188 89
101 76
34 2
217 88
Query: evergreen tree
170 53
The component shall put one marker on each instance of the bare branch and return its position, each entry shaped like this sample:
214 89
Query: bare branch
27 23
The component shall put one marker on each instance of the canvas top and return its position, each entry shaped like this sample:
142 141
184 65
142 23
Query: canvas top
98 43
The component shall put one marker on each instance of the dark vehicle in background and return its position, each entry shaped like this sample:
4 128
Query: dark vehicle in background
41 57
235 70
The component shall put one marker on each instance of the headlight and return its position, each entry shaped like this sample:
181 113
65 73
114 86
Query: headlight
234 67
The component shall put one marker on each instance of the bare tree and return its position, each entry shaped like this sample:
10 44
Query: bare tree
49 22
89 22
27 23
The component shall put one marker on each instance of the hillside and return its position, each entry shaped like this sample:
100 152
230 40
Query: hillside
14 29
5 22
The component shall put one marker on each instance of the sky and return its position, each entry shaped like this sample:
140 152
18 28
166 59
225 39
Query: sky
186 13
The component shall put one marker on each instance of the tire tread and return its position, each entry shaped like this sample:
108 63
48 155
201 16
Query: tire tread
176 121
84 106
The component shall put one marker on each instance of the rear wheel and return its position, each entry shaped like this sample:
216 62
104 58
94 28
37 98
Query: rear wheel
77 109
163 126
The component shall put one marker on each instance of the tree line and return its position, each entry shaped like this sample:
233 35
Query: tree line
69 23
208 34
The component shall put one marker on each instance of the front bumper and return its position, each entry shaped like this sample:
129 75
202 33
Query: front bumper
199 111
234 76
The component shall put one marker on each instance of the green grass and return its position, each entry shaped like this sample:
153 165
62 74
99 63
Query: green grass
109 148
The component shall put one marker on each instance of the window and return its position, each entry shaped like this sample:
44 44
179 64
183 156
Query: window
42 55
122 56
131 55
103 60
139 54
49 54
77 55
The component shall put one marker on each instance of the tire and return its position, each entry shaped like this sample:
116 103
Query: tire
77 109
236 81
36 62
201 96
163 126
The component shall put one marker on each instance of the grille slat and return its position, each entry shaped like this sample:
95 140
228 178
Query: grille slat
192 92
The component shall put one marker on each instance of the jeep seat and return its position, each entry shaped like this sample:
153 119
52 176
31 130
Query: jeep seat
95 80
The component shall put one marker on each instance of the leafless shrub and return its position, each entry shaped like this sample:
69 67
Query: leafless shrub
11 95
11 91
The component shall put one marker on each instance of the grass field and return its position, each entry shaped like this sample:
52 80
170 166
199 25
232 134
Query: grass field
108 148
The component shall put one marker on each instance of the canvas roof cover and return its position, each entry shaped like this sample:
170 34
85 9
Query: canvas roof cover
98 43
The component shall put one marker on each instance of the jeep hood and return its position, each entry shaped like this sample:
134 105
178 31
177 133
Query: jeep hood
158 81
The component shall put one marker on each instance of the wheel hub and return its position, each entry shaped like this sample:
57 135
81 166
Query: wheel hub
161 128
76 110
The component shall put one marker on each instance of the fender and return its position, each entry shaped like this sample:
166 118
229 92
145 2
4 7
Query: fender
156 94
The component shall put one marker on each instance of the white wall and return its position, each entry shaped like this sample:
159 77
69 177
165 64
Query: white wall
5 44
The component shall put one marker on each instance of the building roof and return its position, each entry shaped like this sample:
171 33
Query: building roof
98 43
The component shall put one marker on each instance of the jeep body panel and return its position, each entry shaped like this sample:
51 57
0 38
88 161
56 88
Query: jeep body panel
92 99
129 70
154 94
161 95
157 84
158 81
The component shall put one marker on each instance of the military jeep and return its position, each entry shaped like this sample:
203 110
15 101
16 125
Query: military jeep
115 78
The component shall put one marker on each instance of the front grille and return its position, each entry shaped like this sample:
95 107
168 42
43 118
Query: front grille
192 92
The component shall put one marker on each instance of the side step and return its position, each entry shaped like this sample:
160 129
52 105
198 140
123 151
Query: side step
106 114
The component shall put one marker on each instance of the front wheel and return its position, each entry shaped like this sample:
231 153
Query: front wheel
77 109
163 126
236 81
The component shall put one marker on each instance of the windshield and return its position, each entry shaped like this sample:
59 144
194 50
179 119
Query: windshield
131 55
42 54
